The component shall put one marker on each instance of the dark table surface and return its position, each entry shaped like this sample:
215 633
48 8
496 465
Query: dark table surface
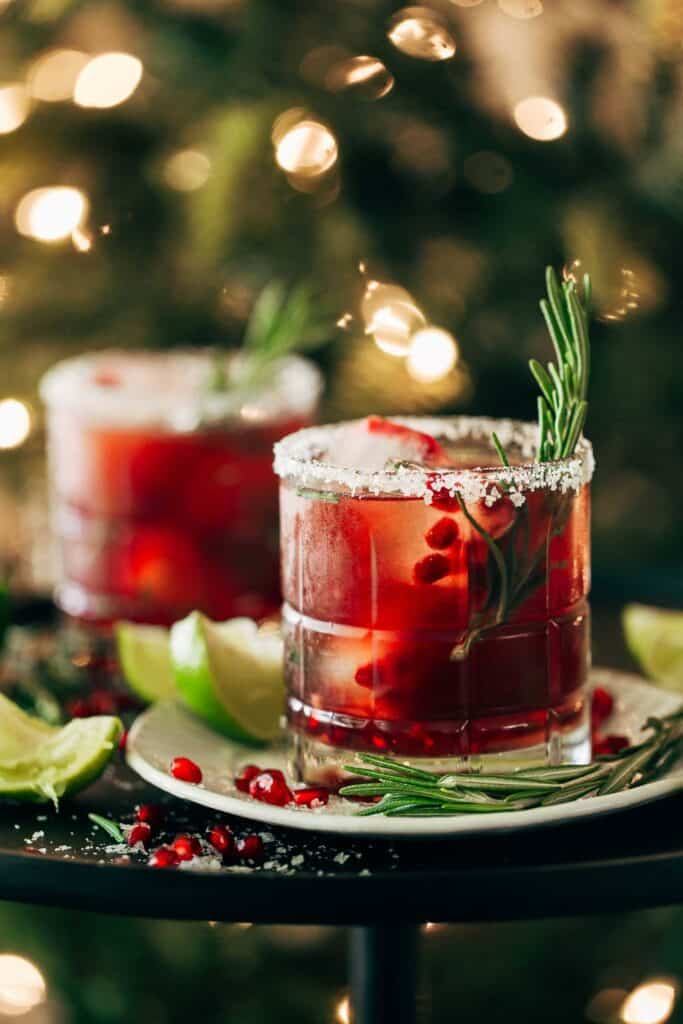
620 861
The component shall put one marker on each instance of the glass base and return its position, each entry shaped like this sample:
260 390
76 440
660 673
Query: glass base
316 762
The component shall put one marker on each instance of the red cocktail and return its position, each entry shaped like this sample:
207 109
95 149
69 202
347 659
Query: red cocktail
164 498
433 609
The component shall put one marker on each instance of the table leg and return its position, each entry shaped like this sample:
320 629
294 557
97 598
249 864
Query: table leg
384 975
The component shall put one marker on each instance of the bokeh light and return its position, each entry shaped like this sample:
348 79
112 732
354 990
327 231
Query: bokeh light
50 214
22 986
433 354
649 1003
307 148
523 9
541 118
82 240
342 1012
391 316
107 80
14 107
420 32
52 76
187 170
363 76
488 172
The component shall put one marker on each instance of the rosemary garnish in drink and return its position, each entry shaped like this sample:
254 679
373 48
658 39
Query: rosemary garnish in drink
281 321
412 792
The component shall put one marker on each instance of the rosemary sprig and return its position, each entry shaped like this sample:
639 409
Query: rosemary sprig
408 791
109 826
281 321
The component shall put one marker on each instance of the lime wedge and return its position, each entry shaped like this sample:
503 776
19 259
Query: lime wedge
146 660
41 762
655 639
230 673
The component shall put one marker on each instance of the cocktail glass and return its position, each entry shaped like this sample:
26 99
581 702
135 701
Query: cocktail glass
437 613
163 494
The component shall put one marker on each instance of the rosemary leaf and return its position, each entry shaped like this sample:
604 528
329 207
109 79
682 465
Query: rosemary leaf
109 826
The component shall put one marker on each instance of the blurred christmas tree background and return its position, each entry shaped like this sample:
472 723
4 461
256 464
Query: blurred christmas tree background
454 149
194 149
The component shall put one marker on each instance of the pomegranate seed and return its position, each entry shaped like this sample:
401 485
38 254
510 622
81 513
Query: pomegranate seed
150 814
102 703
610 744
186 770
164 857
312 796
187 847
246 774
431 568
442 534
602 705
365 675
249 848
123 742
141 832
221 838
78 709
270 787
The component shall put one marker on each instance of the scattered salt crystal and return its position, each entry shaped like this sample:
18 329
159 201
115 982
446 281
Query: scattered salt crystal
365 872
41 817
296 861
342 858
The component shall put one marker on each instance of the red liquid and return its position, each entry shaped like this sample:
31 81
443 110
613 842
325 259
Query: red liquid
153 524
371 626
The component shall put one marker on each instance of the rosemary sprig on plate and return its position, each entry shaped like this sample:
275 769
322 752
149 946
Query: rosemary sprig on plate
282 321
406 791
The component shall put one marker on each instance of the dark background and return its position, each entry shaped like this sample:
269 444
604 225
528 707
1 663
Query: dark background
437 189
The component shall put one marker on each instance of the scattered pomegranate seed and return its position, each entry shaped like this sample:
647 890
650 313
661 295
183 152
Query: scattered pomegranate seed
141 832
101 702
187 847
312 796
150 814
123 742
246 774
249 848
365 675
431 568
442 534
602 705
78 708
270 787
164 857
221 838
610 744
186 770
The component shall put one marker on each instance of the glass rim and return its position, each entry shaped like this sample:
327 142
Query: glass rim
297 459
71 384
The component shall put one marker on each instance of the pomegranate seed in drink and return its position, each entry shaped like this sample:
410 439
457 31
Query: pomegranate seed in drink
431 568
246 774
311 796
186 770
221 838
150 814
164 857
442 534
249 848
141 832
270 787
123 742
187 847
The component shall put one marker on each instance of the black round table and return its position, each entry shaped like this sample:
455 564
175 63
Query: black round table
384 890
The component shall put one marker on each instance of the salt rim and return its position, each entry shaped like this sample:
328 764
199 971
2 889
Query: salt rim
298 459
169 388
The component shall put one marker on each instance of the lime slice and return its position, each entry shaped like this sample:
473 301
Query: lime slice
41 762
230 673
146 660
655 638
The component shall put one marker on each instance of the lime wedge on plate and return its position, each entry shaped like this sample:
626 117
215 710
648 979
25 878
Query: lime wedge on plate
41 762
146 660
230 673
655 639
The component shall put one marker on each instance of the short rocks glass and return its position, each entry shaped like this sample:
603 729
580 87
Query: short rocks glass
163 494
435 613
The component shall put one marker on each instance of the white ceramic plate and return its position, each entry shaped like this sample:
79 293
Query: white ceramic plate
167 730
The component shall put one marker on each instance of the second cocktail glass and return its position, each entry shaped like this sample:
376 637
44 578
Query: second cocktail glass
435 602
